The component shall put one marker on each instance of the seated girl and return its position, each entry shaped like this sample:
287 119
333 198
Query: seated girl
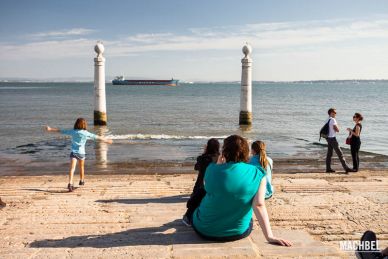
234 190
260 158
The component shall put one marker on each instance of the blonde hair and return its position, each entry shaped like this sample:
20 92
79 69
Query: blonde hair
259 148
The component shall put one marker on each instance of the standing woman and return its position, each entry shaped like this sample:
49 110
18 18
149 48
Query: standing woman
355 142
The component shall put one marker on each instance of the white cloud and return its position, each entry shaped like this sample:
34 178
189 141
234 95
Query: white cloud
62 33
263 37
48 49
149 38
318 47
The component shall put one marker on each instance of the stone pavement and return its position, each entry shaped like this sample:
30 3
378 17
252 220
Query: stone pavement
138 216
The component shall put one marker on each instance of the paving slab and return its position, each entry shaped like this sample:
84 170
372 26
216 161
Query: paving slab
304 246
138 216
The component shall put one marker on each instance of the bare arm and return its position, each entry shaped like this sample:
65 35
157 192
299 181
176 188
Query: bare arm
261 214
356 132
49 129
106 140
335 127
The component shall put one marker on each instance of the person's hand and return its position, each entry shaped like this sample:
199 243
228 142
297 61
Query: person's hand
109 141
220 159
47 128
349 129
279 241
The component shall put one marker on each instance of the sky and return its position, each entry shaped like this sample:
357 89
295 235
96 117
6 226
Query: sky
197 40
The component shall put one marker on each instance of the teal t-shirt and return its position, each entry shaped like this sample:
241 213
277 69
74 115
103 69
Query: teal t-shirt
78 139
269 188
226 210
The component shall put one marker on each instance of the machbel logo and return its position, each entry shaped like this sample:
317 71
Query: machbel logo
360 246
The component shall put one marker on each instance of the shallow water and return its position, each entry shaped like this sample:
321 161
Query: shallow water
173 123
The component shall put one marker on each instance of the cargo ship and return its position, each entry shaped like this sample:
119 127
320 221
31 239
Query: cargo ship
119 80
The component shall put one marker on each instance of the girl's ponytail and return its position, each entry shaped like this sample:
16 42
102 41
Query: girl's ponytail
260 150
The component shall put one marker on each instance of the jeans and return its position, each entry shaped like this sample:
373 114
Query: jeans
227 238
333 144
77 156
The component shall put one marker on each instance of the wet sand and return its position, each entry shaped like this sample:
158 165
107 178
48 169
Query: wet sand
138 215
306 162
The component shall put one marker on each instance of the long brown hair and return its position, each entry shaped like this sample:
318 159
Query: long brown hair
259 148
212 147
235 149
80 124
358 116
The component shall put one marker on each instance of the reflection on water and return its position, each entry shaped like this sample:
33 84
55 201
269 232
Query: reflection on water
245 128
101 148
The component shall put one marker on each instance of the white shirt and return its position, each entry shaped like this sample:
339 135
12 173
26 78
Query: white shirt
331 127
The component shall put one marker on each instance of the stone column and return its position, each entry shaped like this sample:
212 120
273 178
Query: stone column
246 87
99 86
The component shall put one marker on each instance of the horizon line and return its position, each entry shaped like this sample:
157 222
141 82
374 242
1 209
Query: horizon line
27 80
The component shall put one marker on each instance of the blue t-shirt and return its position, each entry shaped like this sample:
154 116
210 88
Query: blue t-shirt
78 139
255 160
226 210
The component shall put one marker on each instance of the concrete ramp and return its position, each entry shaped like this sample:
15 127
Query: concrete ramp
304 246
139 216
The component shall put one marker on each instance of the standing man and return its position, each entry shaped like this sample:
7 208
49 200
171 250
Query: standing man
333 144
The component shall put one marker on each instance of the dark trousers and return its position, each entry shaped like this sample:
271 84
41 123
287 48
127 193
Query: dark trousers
333 144
227 238
354 149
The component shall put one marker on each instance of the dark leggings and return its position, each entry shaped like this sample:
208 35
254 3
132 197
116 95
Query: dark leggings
194 201
227 238
196 196
354 149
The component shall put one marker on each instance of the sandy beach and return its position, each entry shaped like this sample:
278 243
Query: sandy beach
139 216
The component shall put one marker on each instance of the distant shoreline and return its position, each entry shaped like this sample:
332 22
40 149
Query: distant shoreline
207 82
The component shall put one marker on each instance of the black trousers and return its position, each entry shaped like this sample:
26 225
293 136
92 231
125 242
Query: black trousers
332 144
354 149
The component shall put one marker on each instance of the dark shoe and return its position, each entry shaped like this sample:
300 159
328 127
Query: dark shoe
330 171
371 253
70 187
348 170
81 182
2 204
186 221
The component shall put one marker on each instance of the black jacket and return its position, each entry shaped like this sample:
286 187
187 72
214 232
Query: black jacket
203 162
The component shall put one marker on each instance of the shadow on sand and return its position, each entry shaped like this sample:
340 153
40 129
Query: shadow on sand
170 199
63 190
170 233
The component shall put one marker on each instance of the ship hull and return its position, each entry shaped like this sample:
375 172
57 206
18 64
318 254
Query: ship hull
146 82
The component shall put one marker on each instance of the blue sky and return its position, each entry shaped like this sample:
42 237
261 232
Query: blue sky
196 40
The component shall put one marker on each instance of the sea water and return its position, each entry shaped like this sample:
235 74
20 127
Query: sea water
173 123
